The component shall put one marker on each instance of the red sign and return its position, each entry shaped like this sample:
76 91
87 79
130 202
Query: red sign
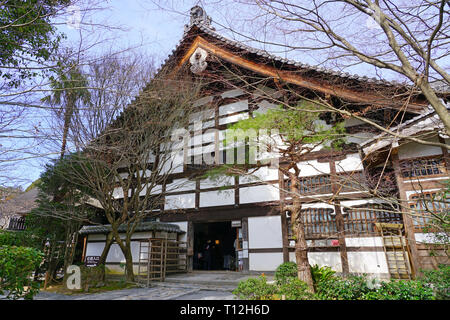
334 242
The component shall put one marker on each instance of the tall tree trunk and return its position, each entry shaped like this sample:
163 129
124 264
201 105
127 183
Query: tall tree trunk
125 246
301 248
67 120
108 243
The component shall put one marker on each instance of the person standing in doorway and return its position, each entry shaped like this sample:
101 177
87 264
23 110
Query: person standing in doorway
208 255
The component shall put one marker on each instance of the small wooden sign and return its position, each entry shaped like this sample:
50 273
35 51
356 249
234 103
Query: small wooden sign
236 223
92 261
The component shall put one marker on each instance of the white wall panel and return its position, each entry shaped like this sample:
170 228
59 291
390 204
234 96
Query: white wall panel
181 201
265 261
180 185
217 198
367 262
312 168
203 101
364 242
183 226
259 193
262 174
232 93
415 150
234 118
330 259
352 162
264 232
233 107
218 182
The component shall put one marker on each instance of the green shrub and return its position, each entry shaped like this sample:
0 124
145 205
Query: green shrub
439 280
285 271
16 266
320 274
404 290
294 289
255 289
19 239
352 288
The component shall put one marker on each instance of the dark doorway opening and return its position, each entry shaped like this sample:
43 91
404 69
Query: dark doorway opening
214 246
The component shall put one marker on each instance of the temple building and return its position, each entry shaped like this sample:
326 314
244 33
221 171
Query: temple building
365 207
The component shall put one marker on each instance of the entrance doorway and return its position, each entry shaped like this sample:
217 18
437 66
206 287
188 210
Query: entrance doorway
214 246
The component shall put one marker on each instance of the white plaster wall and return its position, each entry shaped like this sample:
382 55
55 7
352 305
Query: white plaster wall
201 149
203 101
214 183
264 232
4 222
351 163
155 190
234 118
359 137
364 242
265 261
233 107
174 164
115 253
184 227
367 262
201 115
262 174
232 93
217 198
180 185
94 248
261 193
429 237
181 201
312 168
117 193
330 259
415 150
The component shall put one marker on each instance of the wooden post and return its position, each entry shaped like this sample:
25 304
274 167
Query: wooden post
246 266
339 219
284 223
407 220
190 246
341 237
83 255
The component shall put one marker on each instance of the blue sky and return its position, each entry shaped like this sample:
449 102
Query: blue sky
152 30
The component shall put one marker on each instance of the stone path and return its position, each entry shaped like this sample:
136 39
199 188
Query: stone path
195 285
156 292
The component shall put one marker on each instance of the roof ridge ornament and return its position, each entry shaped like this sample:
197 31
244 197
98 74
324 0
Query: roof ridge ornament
199 18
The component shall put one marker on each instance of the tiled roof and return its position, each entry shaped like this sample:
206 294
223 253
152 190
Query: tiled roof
143 226
429 121
289 62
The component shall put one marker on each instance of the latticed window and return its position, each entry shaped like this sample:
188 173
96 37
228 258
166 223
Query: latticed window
322 184
318 222
426 205
313 185
16 223
361 221
423 167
